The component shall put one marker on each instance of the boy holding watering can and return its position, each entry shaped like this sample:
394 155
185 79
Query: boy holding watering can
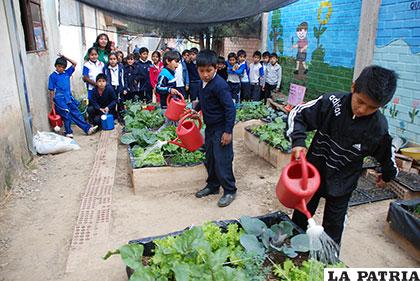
215 102
349 127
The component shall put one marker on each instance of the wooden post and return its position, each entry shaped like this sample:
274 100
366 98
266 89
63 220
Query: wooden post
367 35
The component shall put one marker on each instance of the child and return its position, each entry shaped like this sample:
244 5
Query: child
143 64
302 46
65 104
91 69
166 82
256 76
114 72
233 79
103 100
103 48
272 76
186 56
154 72
120 57
265 62
215 101
221 68
244 75
193 75
131 79
182 77
350 127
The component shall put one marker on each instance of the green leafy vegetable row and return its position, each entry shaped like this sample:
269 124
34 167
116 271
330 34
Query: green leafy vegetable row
251 110
137 118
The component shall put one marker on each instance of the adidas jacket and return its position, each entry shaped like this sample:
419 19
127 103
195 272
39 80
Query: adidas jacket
341 141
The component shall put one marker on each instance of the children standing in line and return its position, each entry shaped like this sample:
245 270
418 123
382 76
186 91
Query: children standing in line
221 68
166 82
233 79
114 72
154 72
91 69
143 64
256 76
103 100
272 76
182 77
265 62
131 79
193 75
244 76
349 127
65 104
215 102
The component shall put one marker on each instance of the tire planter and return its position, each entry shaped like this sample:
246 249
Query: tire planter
148 179
268 219
403 221
272 155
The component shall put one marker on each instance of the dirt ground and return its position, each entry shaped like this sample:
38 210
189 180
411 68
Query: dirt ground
37 221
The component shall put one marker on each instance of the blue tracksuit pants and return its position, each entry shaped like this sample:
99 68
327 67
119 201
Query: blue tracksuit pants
219 162
70 113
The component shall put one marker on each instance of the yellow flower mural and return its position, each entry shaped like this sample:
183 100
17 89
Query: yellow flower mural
322 6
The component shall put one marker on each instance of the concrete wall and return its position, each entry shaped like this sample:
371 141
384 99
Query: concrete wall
330 55
398 48
13 146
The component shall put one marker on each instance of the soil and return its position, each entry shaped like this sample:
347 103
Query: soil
38 220
410 180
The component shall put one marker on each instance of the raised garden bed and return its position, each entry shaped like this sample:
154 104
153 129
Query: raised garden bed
239 129
404 219
269 247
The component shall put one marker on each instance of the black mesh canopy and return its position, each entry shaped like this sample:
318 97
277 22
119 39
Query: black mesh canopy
182 12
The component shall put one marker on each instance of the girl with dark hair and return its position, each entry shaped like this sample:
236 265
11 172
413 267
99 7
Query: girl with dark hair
154 72
103 45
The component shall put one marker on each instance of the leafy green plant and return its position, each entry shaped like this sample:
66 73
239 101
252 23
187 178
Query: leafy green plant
136 118
309 270
273 133
259 239
153 159
251 110
186 157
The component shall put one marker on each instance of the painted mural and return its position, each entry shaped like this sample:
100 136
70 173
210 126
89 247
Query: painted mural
398 48
316 42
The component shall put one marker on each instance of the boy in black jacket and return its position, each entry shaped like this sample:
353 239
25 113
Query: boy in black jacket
103 101
143 66
215 101
349 127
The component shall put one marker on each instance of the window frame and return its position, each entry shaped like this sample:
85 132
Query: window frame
28 26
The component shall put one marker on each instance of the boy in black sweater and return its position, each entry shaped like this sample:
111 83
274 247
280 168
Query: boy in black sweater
349 127
215 102
102 101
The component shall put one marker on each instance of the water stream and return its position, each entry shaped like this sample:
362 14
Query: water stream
151 148
323 248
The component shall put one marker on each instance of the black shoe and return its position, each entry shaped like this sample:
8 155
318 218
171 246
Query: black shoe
206 191
296 71
226 200
306 71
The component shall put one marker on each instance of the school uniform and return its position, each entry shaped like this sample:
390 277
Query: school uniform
195 80
256 79
145 88
166 82
215 102
65 104
115 79
91 70
340 144
98 101
273 75
182 78
223 73
245 85
154 72
131 82
234 82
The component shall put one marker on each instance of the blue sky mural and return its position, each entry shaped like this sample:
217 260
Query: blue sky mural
340 37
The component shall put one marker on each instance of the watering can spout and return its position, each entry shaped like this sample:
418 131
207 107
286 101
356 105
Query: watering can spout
301 206
176 142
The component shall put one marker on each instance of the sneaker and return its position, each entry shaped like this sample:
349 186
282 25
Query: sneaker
69 136
92 130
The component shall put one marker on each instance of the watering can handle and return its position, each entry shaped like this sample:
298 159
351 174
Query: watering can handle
304 170
200 123
177 94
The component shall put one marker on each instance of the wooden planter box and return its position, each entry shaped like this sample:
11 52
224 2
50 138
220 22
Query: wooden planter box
239 129
272 155
149 179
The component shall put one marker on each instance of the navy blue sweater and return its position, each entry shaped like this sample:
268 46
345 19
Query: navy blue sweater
143 69
215 101
107 99
192 71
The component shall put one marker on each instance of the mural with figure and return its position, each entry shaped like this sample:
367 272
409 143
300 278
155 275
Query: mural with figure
398 48
316 42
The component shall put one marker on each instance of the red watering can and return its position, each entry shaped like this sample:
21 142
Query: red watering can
298 182
55 119
176 107
189 134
